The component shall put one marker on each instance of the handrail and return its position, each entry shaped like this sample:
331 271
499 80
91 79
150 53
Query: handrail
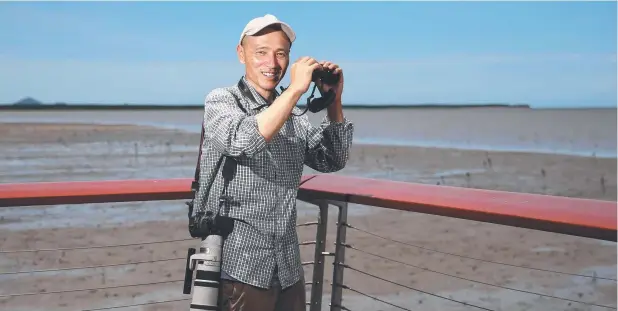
79 192
573 216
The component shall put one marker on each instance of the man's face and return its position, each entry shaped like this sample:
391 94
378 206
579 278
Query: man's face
266 57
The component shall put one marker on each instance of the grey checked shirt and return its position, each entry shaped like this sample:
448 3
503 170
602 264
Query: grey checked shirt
266 182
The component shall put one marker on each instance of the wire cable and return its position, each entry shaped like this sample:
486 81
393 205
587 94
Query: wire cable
374 298
91 267
483 260
475 281
136 305
414 289
88 289
89 247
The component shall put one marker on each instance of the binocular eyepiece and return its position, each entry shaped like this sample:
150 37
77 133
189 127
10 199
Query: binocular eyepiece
326 76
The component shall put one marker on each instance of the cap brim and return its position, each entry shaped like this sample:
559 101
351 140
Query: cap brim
285 27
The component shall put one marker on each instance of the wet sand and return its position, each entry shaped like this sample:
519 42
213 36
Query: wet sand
55 152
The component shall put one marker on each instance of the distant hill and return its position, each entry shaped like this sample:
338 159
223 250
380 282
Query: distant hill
27 101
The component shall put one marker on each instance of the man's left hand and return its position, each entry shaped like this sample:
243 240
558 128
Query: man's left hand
335 110
337 88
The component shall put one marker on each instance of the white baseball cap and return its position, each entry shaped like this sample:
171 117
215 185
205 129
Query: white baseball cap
259 23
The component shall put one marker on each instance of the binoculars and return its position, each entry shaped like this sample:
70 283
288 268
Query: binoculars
326 76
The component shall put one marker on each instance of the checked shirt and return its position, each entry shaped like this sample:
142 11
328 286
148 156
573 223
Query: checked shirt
265 183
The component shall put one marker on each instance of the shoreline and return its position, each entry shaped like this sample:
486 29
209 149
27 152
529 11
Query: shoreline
357 142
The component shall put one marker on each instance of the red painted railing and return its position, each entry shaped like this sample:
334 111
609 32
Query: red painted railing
580 217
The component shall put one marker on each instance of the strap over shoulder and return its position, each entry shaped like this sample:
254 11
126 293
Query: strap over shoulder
228 169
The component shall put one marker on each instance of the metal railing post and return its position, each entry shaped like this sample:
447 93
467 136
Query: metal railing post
340 245
318 267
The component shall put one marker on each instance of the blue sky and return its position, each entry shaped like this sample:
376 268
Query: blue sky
547 54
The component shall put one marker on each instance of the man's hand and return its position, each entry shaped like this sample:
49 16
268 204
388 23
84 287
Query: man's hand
337 88
301 72
272 119
335 110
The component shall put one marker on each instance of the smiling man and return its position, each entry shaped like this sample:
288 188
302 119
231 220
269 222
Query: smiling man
257 130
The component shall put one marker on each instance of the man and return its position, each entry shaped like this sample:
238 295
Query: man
261 267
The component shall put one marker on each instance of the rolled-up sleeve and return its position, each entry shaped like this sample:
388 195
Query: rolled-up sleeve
229 129
328 146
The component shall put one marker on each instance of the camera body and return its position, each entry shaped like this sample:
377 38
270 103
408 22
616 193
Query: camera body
202 225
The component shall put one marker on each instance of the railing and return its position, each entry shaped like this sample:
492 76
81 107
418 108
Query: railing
570 216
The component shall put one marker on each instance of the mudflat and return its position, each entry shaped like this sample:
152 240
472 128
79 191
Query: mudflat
62 152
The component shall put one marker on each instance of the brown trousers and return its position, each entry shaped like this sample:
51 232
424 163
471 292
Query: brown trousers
237 296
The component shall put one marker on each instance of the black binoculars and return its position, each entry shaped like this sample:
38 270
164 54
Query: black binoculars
326 76
318 104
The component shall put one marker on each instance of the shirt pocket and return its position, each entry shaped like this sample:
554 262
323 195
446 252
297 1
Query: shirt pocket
259 167
289 159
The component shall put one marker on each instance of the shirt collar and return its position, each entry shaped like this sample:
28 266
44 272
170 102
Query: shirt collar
257 101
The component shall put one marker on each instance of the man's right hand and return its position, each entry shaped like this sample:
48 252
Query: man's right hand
271 120
301 73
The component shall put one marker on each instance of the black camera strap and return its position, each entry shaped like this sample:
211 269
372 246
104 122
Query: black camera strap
309 102
228 171
244 90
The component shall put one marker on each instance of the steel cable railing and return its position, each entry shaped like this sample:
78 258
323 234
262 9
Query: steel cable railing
372 297
94 289
138 304
339 264
119 245
90 267
479 282
478 259
90 247
87 289
411 288
348 266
